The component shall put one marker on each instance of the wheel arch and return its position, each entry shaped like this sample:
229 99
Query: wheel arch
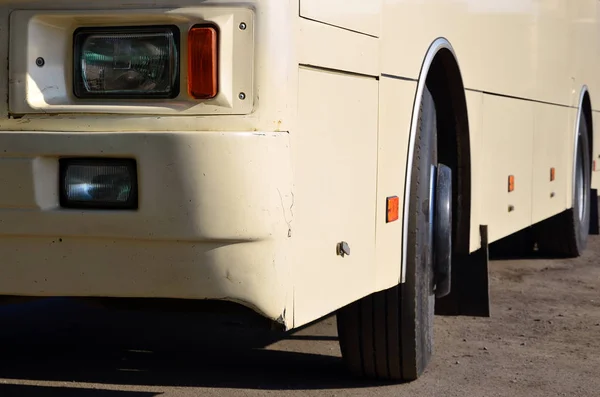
440 72
584 108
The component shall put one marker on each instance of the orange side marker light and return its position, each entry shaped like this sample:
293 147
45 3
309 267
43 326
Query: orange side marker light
511 183
202 62
393 209
552 174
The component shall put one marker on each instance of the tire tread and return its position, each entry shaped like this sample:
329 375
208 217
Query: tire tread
387 335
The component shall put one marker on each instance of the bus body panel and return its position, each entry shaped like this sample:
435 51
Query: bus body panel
355 53
193 236
508 145
334 153
396 98
356 15
251 207
274 77
553 129
503 47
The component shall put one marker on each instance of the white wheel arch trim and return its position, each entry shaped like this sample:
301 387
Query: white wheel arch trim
584 90
439 44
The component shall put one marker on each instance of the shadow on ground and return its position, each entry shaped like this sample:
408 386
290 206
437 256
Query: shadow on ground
44 391
59 340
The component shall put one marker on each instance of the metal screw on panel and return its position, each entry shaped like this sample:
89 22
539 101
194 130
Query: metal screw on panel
242 96
243 26
40 62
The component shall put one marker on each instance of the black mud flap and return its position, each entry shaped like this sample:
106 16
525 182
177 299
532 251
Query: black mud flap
470 293
594 221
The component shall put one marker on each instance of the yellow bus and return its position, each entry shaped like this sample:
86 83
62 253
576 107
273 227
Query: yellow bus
297 158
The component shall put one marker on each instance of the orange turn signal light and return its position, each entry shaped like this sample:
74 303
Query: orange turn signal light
511 183
202 62
552 174
393 209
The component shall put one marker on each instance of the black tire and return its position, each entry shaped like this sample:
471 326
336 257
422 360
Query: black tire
389 335
566 234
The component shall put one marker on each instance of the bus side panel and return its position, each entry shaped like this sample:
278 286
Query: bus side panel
335 171
334 48
508 126
395 114
552 130
494 41
539 49
552 41
583 53
357 15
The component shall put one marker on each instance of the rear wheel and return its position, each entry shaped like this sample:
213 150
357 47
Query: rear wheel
389 335
566 234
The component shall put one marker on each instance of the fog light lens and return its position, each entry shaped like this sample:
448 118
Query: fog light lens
136 62
98 183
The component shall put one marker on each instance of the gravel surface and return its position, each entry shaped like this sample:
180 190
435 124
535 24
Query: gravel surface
543 339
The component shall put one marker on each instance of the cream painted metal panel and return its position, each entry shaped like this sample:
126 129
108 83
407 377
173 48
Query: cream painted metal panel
340 180
494 40
584 49
28 184
570 149
508 147
237 272
552 130
478 174
329 47
554 82
512 47
396 99
335 167
176 172
49 34
275 61
214 218
358 15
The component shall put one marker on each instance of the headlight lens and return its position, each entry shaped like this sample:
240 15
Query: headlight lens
135 62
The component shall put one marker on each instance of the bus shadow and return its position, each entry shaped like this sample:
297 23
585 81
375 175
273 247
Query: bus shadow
146 349
46 391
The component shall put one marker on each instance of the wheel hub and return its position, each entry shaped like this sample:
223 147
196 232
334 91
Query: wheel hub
441 208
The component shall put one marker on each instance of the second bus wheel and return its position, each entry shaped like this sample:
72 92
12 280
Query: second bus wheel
389 335
566 234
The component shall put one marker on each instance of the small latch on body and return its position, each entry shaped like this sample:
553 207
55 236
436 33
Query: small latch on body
343 249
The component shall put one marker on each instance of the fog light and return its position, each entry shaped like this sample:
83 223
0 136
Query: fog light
126 62
98 183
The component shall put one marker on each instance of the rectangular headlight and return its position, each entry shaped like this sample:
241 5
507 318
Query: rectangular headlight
126 62
98 183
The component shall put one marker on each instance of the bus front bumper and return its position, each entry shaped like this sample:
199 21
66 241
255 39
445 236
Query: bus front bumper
213 222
